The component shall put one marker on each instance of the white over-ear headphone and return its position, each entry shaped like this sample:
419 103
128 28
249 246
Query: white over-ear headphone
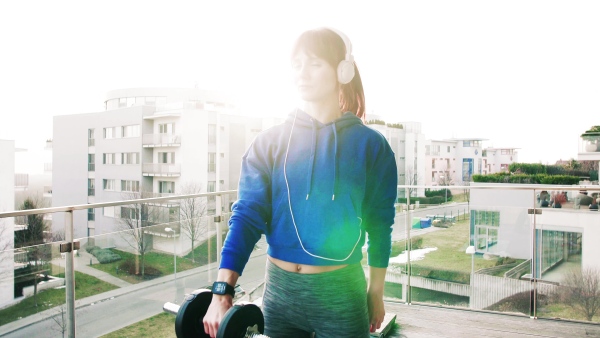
345 69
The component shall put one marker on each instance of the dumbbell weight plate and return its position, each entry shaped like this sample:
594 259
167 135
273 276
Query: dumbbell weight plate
188 322
237 320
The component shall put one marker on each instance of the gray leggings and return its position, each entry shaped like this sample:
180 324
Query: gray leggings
330 304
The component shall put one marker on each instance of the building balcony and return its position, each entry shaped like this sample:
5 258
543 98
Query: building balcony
589 148
493 258
161 140
161 169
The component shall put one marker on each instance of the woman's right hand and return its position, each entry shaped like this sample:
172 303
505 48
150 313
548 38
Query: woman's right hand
215 313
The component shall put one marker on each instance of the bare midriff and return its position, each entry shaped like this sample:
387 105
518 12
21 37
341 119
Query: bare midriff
303 268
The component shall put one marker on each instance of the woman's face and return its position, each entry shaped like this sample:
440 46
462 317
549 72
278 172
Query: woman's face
314 78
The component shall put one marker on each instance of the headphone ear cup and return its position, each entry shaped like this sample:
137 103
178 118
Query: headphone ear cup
345 71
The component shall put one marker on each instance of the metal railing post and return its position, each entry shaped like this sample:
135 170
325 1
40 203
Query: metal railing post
219 218
408 248
70 277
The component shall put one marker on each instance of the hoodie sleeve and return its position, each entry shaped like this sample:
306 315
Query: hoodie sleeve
252 210
378 208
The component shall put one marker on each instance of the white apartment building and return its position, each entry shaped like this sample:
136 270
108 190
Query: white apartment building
498 159
453 161
154 140
408 144
7 203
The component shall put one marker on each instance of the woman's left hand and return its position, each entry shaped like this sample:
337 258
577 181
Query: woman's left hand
376 310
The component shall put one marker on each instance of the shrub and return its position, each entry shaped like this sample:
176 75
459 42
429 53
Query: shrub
106 256
103 255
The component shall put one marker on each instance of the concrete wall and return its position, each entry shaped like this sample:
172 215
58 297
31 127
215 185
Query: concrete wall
7 203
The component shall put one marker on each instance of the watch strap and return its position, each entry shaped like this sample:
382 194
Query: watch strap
223 288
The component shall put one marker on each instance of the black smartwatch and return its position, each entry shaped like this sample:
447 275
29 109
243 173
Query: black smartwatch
222 288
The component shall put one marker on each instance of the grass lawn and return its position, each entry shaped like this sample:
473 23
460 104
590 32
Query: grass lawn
451 244
86 286
157 264
160 326
394 290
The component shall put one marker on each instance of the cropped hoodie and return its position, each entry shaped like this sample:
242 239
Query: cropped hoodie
317 191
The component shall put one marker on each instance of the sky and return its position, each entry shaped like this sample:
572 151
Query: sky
522 74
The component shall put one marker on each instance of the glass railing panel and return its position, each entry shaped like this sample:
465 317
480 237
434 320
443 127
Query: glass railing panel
568 280
32 285
436 269
500 232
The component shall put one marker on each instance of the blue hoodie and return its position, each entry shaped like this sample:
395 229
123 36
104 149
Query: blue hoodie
314 189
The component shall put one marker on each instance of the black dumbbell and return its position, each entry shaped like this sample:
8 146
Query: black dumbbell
240 321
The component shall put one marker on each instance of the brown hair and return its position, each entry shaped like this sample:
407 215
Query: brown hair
329 46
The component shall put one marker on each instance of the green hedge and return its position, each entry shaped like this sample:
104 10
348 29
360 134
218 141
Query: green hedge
441 192
103 255
526 179
425 200
536 169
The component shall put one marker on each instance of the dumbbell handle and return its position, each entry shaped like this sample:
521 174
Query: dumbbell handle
171 308
251 332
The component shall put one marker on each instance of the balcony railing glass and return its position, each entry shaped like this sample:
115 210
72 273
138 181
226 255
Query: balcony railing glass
161 140
498 248
161 169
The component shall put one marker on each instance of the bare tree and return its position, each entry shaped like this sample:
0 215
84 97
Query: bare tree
31 239
582 290
60 320
445 180
133 219
192 212
411 178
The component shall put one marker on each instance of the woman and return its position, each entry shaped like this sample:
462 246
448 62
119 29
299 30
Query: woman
316 185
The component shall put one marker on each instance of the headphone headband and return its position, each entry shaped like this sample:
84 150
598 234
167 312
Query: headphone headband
347 43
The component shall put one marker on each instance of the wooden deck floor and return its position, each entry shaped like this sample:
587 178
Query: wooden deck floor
418 321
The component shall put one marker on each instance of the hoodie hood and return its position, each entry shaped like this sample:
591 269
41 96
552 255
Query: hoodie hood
301 122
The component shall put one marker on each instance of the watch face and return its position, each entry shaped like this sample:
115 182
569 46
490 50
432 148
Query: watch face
219 288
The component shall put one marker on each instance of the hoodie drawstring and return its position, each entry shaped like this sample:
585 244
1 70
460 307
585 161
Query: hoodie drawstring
313 150
335 146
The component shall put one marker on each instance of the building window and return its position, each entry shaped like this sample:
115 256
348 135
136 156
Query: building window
166 157
166 128
130 131
110 133
210 187
433 164
108 158
130 158
484 227
427 150
91 215
91 162
212 166
467 169
448 149
91 187
91 141
131 186
130 213
108 211
212 134
166 187
108 184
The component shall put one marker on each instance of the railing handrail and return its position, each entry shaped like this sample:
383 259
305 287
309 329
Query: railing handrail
506 186
110 204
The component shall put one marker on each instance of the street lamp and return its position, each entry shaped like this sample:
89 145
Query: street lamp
471 251
174 256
